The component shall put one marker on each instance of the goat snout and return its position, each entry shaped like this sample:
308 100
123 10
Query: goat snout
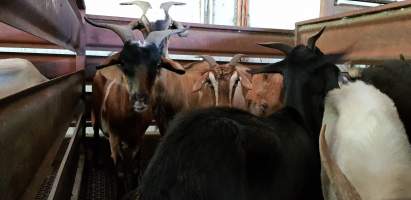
140 102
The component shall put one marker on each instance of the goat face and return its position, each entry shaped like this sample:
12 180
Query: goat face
140 61
140 64
223 80
265 97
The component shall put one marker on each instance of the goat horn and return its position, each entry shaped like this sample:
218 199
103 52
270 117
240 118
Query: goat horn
344 189
210 60
157 37
285 48
402 57
143 5
166 5
313 39
277 67
124 32
236 59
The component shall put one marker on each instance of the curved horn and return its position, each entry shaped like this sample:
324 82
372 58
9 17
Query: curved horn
285 48
210 60
402 57
124 32
344 189
313 39
166 5
143 5
236 59
157 37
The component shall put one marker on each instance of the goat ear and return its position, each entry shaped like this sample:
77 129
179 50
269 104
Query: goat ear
200 82
344 188
172 65
329 58
245 79
112 60
278 67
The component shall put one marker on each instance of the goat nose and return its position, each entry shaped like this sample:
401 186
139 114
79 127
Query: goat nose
142 97
264 105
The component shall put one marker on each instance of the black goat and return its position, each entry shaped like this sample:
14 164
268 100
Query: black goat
393 79
226 153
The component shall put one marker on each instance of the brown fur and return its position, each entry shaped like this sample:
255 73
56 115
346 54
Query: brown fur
185 97
266 95
173 93
123 124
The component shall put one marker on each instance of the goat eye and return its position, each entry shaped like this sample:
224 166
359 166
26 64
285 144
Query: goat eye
208 83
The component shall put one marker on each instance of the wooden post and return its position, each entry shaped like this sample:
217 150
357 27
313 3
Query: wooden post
242 13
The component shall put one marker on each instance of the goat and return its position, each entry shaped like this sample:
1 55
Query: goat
227 153
16 75
145 26
368 143
121 93
202 86
392 78
265 97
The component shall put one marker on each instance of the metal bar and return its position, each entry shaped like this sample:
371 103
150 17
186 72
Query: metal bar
63 183
30 122
53 20
202 39
79 174
372 35
376 1
351 14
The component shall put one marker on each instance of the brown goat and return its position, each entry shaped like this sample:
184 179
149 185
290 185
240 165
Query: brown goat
121 94
265 97
204 84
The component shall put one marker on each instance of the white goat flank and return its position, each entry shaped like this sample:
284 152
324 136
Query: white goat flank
368 142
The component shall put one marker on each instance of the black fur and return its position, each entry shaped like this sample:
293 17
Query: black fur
234 155
134 58
225 153
394 79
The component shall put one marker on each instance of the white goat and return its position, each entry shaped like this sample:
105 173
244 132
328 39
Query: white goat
367 140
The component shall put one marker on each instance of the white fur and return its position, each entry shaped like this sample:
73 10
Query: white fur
233 79
215 86
368 142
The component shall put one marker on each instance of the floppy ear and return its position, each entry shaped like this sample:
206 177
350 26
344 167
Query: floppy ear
112 60
245 79
329 58
200 82
172 65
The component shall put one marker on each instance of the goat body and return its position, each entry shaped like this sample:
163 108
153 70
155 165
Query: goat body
234 155
227 153
368 142
205 84
167 103
393 79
